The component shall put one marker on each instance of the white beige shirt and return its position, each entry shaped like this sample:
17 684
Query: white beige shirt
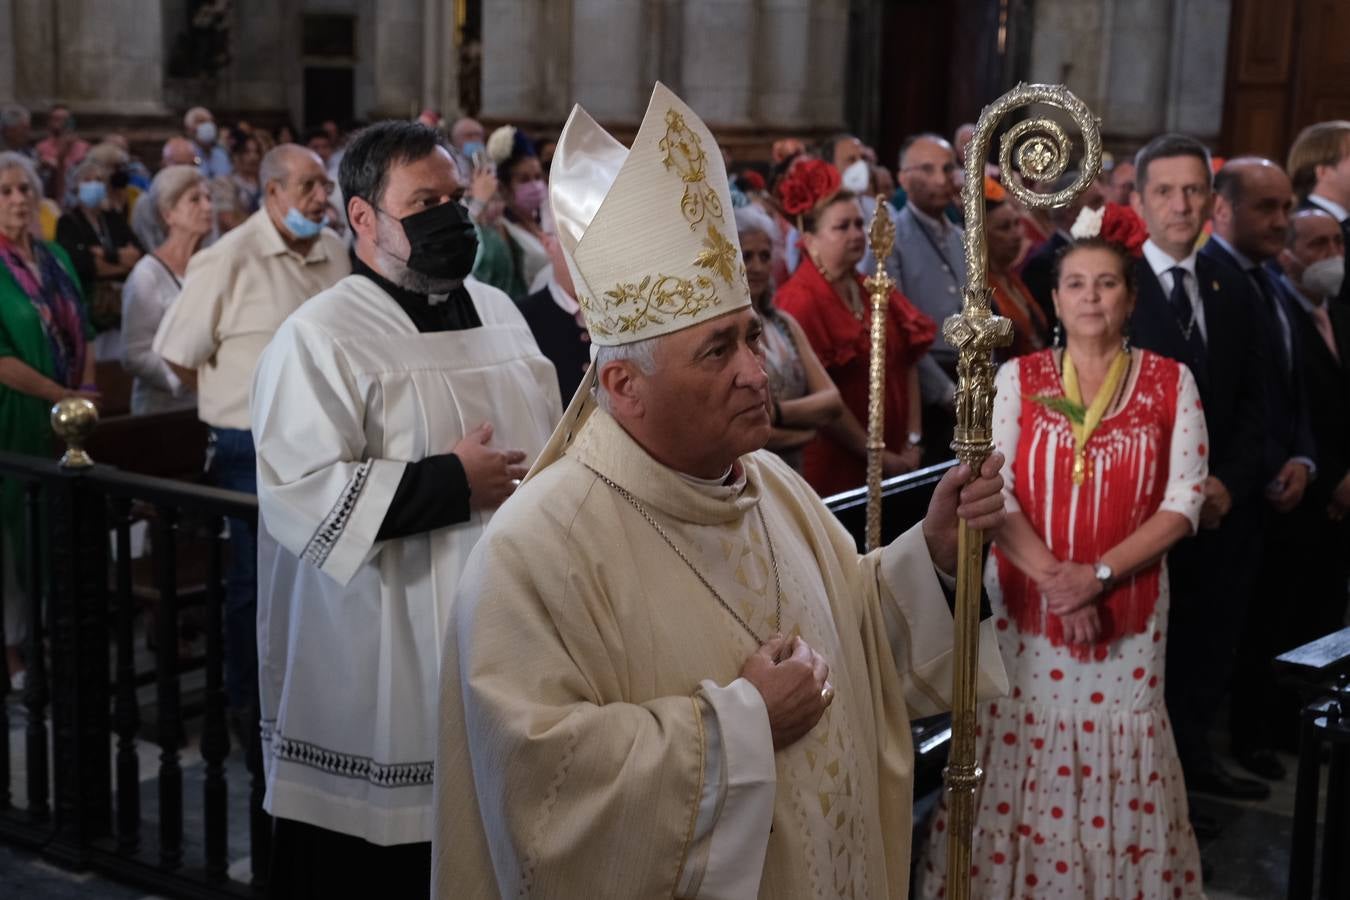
236 294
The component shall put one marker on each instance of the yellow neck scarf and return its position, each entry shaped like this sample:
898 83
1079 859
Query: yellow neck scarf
1082 431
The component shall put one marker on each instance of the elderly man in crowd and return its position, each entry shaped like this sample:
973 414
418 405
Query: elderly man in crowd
1314 266
1319 164
466 140
236 294
199 125
60 151
931 264
378 409
668 671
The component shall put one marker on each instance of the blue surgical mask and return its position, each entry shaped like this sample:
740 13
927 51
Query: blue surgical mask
300 226
92 193
471 148
206 133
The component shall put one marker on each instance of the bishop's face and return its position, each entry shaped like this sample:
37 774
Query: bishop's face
706 403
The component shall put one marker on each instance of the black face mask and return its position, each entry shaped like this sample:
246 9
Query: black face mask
442 241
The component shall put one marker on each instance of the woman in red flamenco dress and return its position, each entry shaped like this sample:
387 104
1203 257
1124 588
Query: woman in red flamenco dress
1106 454
828 298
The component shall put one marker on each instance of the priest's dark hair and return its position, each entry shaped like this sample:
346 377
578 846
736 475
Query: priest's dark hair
375 149
1166 146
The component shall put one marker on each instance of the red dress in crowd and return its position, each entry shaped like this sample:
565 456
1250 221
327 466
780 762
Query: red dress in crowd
842 342
1083 794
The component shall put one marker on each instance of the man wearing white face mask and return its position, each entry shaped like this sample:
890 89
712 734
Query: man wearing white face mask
855 174
199 125
235 296
1314 271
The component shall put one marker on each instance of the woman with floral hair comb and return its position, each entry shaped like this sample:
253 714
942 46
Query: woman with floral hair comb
1106 454
828 298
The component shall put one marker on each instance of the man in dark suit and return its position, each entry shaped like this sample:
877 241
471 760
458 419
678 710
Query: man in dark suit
1253 199
1319 164
1197 311
1314 273
554 317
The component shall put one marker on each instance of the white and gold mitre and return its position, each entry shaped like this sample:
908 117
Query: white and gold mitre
648 232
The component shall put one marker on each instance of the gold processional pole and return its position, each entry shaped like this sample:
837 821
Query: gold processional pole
1041 150
879 285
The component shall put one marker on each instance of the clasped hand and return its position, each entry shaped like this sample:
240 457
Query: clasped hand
793 679
493 475
1070 591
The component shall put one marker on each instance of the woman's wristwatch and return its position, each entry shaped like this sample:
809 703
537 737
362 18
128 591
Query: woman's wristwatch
914 439
1104 575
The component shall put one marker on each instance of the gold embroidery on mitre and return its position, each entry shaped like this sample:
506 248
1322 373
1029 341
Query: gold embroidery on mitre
684 153
629 307
719 254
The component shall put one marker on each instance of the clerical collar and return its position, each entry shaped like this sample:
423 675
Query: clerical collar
402 295
429 314
729 483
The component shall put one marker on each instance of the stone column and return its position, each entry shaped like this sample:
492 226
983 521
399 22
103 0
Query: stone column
609 57
800 54
717 51
397 57
440 58
109 56
8 50
514 41
1199 67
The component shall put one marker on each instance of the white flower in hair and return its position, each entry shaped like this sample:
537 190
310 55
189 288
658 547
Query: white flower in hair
1088 224
501 143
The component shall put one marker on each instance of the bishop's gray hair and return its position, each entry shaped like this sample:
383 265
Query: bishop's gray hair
640 353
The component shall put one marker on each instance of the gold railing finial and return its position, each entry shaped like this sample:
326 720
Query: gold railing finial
73 420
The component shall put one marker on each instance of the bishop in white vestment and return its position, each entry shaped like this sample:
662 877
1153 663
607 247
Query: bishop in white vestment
375 480
668 671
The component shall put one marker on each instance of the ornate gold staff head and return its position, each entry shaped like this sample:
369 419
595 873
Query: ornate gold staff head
1039 150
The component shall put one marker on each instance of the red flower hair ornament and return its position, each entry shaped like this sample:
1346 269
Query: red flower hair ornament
807 184
1115 223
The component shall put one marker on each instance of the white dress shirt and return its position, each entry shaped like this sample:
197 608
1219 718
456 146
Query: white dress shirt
1162 264
1331 206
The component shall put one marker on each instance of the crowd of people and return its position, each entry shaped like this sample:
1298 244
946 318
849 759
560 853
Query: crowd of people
1171 421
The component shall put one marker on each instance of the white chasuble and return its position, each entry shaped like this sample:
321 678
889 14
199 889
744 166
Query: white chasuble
350 628
596 740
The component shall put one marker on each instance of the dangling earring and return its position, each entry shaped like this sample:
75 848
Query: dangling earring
1059 334
1125 342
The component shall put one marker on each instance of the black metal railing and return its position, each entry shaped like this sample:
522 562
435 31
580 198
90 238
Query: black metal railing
88 763
85 699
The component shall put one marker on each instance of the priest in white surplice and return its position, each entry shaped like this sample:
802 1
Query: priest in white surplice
668 671
383 411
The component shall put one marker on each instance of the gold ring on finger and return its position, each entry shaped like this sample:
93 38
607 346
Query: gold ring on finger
827 694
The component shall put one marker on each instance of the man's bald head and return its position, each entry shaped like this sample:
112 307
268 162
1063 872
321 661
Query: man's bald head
466 130
281 161
1253 199
178 151
928 172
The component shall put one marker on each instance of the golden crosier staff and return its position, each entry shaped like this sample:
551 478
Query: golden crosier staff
1041 150
880 284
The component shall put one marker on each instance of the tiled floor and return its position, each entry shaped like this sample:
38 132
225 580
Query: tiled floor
1250 858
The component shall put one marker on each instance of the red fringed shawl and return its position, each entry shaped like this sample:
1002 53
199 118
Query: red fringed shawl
1128 465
